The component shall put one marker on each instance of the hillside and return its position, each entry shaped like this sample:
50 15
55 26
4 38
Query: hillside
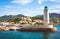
53 17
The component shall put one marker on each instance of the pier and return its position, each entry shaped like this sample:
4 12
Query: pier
29 28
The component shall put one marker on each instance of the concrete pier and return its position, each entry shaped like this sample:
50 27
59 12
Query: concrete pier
30 28
38 29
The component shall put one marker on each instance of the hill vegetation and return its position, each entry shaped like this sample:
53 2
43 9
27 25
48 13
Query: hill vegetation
16 18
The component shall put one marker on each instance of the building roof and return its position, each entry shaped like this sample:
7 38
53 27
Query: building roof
45 7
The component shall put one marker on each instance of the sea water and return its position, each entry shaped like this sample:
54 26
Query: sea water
30 35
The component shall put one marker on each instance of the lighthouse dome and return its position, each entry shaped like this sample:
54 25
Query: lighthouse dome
46 7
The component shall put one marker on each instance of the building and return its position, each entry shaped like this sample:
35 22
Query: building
46 16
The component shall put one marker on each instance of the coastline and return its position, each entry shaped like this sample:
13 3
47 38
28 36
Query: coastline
30 28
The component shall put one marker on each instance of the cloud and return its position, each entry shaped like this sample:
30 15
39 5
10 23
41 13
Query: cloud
57 1
21 1
8 6
54 11
52 0
57 6
40 1
11 13
53 7
33 13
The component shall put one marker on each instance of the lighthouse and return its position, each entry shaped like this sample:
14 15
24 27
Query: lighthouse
46 16
46 27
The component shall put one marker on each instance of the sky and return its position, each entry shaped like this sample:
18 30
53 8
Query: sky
28 7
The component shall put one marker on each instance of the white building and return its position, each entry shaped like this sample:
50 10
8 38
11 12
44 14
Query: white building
46 16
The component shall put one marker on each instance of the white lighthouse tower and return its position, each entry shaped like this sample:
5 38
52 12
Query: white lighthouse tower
46 16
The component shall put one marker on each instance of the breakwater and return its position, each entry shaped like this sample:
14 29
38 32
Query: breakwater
29 29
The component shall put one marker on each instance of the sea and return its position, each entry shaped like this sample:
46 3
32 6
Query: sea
30 35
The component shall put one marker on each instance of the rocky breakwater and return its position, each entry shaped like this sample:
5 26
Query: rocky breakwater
38 29
30 28
4 29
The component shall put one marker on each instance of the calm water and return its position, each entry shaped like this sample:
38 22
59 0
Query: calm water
29 35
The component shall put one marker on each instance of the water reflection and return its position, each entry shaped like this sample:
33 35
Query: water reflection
46 35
